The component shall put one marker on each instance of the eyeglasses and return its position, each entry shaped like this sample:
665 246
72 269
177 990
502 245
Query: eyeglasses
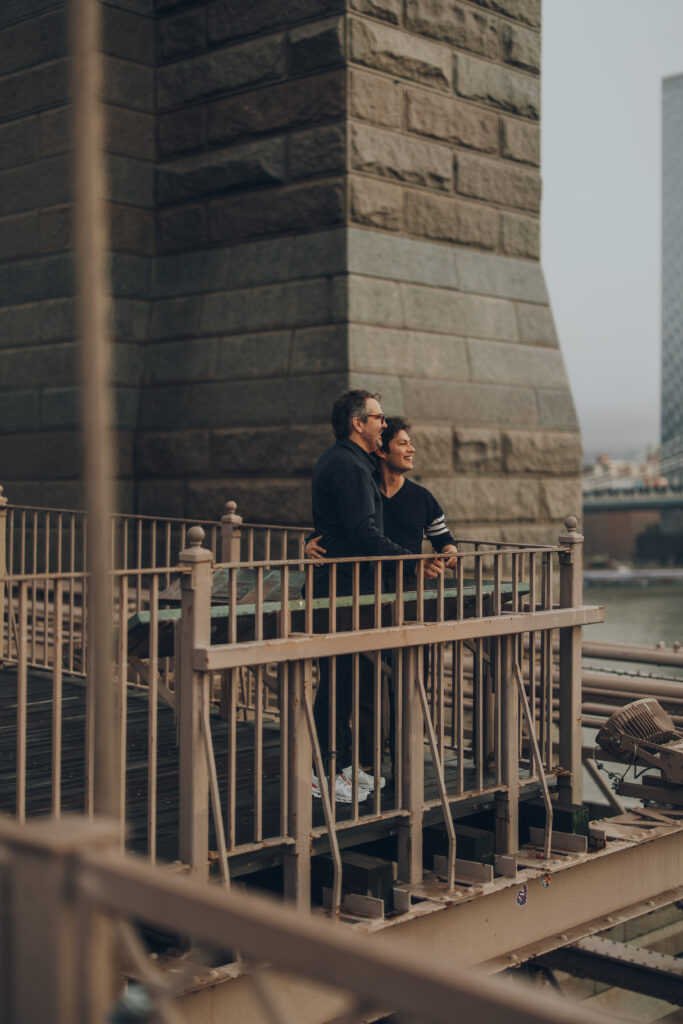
375 416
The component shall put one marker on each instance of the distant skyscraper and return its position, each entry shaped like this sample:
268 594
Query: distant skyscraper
672 278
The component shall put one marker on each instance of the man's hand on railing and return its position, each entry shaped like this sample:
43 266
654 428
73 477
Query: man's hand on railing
314 551
452 561
431 567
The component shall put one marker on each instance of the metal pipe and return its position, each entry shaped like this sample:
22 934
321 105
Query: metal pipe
92 312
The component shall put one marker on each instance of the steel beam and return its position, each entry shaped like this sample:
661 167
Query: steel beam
621 964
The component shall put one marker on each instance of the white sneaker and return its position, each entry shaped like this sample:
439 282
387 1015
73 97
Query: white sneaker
365 780
342 790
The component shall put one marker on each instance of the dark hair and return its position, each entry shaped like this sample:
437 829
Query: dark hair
394 424
346 408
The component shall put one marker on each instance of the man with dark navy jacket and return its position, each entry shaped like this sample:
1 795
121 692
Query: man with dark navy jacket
347 514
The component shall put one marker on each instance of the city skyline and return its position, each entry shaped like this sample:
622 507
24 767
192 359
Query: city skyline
601 213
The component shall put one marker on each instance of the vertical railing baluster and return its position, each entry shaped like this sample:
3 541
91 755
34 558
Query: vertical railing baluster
22 700
258 756
122 703
377 731
153 719
459 710
355 723
57 673
478 583
283 675
231 714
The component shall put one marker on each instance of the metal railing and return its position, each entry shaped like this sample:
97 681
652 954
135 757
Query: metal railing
449 688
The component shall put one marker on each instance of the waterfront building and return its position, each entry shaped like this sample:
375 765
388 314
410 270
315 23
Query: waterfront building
672 279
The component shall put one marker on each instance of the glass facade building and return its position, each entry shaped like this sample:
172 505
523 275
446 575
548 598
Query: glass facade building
672 279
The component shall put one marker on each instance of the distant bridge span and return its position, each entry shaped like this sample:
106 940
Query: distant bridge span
623 500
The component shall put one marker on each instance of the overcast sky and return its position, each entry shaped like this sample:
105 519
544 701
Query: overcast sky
603 62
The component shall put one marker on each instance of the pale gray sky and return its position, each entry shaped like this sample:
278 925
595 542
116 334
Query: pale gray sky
603 61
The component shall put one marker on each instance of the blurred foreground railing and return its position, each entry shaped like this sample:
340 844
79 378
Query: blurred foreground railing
70 923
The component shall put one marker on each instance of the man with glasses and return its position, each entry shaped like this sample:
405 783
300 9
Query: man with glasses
348 518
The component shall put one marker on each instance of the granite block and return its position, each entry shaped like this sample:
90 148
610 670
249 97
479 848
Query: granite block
435 309
390 50
400 158
502 88
461 124
455 23
449 220
375 98
318 45
375 204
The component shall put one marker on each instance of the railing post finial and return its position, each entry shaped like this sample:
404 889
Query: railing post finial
231 533
3 499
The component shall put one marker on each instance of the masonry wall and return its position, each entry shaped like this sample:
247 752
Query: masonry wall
317 194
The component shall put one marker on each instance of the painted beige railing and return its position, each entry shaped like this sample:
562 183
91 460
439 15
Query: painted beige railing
238 663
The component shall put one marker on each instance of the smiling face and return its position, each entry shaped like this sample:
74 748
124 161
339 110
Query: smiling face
399 458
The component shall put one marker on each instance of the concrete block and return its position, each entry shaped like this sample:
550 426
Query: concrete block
198 77
34 41
131 229
516 364
317 151
146 7
40 277
183 228
521 48
287 501
494 181
450 221
275 260
429 113
501 276
130 275
253 450
520 141
57 319
127 364
498 87
56 131
128 34
163 497
455 23
374 301
519 235
41 183
399 158
318 45
410 353
556 410
231 19
450 312
19 410
51 456
20 236
178 361
477 450
375 98
298 103
486 499
400 259
127 84
175 318
375 204
35 366
212 173
263 402
528 12
181 131
536 325
387 49
28 92
56 229
470 404
126 403
130 133
389 386
175 453
549 454
307 208
19 141
130 320
243 356
434 448
130 181
182 33
387 10
526 533
19 325
317 350
60 408
560 498
272 307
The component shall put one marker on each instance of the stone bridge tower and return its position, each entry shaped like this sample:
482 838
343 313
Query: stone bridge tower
305 195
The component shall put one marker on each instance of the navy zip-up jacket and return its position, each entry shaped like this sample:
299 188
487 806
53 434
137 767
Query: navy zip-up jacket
347 507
